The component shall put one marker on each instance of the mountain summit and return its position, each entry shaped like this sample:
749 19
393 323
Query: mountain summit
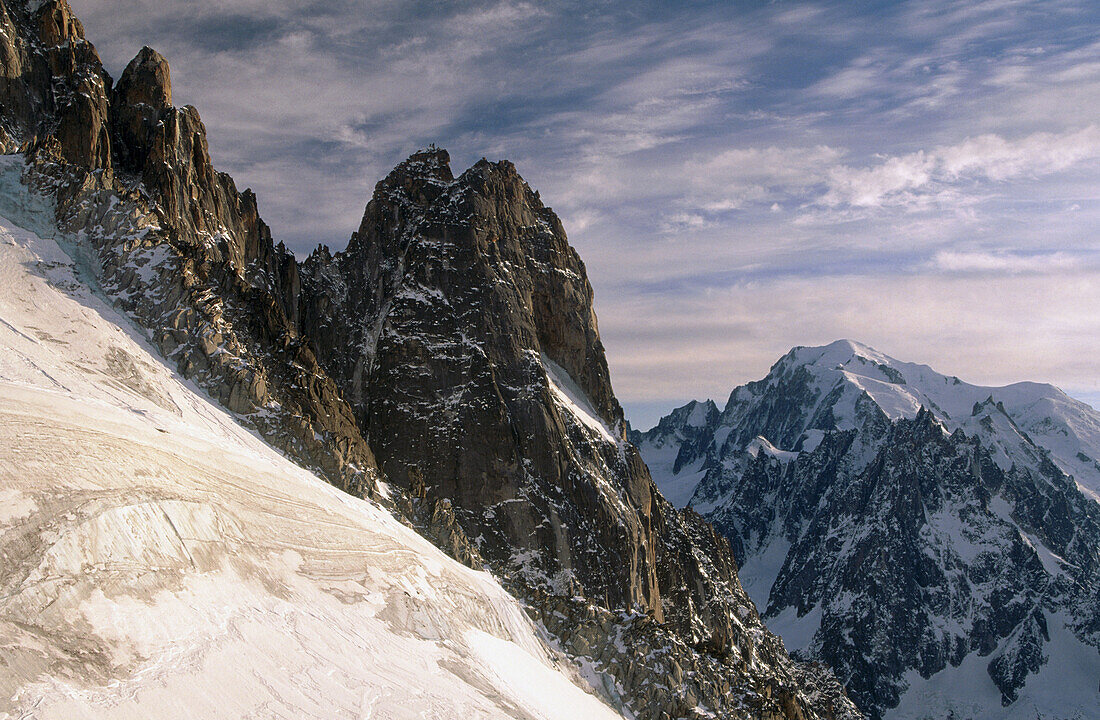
460 325
935 542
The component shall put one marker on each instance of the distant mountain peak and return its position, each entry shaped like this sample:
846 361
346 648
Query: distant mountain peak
877 506
838 352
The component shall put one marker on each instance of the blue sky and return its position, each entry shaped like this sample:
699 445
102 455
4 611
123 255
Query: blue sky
739 177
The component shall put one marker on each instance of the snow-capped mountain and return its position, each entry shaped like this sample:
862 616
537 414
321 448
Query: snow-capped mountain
935 542
161 561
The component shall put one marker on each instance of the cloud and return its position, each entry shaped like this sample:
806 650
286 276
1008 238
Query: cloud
917 178
1010 263
995 158
892 181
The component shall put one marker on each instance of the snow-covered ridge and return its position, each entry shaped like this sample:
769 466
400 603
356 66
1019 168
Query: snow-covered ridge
161 561
1066 428
839 375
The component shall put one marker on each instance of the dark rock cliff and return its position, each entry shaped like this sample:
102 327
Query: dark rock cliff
461 292
459 323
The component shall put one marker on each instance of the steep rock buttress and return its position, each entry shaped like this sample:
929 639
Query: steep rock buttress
459 323
174 242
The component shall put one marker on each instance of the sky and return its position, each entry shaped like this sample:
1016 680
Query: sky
739 177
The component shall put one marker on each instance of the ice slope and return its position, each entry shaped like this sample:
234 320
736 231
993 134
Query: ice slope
160 561
1062 690
571 397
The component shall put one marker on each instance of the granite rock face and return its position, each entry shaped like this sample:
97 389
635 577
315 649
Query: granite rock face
53 89
462 293
459 323
172 239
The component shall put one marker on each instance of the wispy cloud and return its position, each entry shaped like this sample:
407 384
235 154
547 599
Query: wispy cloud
1011 263
916 178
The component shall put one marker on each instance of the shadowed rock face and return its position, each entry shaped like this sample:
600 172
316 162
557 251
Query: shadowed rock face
456 332
53 89
455 322
455 293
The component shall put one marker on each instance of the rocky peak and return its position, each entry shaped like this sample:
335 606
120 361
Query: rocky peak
926 425
459 323
56 23
419 179
146 81
166 147
430 163
499 226
53 89
694 414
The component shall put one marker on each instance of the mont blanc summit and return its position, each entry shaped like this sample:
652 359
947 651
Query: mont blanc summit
935 542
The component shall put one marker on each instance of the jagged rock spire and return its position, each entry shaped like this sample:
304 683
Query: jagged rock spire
460 325
146 80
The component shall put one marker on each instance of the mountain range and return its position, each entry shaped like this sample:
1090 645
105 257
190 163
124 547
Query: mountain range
394 479
937 543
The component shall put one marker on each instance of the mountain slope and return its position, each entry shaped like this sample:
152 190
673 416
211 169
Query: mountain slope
159 560
452 346
906 528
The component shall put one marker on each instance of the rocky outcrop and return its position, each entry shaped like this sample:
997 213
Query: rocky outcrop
175 243
53 89
446 371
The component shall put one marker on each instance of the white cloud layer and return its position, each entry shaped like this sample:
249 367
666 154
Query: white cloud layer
916 178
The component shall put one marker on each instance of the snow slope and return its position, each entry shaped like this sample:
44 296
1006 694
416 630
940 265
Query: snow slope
1066 428
160 561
